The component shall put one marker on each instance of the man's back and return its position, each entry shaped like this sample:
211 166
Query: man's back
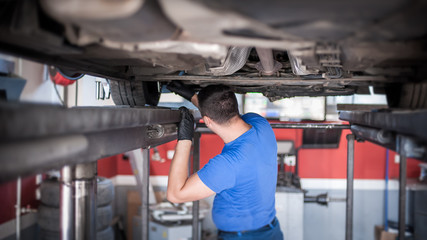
244 177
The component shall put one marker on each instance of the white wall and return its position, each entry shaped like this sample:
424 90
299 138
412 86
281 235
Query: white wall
38 88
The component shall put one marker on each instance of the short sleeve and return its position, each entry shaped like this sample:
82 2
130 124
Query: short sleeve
253 117
218 174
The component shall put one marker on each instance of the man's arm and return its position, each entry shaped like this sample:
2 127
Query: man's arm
182 188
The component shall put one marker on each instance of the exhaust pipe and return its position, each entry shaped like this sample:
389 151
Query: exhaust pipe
267 65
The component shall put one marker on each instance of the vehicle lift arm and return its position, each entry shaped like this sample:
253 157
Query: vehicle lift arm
36 137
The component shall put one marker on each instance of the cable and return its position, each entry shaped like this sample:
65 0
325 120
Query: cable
57 94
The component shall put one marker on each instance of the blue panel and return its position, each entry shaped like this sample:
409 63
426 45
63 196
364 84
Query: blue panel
12 86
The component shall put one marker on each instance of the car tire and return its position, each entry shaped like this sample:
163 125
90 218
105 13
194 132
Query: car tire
104 217
106 234
48 218
134 93
407 96
50 192
105 194
48 235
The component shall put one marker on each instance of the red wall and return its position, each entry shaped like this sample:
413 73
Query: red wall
8 199
369 162
314 163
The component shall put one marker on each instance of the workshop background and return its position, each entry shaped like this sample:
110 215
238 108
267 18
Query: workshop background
320 170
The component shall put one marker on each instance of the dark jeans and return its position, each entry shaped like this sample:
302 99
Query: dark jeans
264 233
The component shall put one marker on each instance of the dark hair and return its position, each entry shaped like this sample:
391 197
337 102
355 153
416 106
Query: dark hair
218 102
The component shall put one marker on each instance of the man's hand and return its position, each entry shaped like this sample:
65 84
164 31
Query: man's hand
186 126
180 89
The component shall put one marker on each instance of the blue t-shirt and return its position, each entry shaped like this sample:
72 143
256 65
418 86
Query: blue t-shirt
244 176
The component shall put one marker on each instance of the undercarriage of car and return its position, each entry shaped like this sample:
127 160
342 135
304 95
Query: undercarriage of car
281 49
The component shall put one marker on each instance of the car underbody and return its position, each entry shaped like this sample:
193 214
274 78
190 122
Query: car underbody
278 48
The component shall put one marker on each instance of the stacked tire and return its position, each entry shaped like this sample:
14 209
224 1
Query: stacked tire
48 212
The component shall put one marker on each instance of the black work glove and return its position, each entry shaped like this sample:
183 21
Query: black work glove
179 88
186 126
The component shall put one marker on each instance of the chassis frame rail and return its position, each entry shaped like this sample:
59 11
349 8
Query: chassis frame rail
411 123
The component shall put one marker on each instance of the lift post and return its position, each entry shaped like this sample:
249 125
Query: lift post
407 147
140 163
402 131
145 198
402 189
196 166
350 185
78 201
39 137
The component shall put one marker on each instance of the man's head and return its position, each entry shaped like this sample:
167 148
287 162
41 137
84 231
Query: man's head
218 103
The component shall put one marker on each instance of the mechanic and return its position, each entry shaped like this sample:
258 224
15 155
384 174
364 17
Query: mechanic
243 176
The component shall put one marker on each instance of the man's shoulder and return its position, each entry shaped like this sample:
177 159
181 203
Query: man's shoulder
252 115
252 118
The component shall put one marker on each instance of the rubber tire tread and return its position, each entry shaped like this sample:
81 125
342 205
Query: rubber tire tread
408 96
50 192
115 92
134 93
104 217
48 235
138 93
416 95
105 192
423 99
151 93
48 218
106 234
129 93
123 93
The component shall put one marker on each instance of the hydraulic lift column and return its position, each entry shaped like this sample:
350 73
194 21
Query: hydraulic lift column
196 166
72 139
407 147
402 188
78 202
400 130
145 197
350 178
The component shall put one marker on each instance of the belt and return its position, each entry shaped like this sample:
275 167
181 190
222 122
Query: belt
269 225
